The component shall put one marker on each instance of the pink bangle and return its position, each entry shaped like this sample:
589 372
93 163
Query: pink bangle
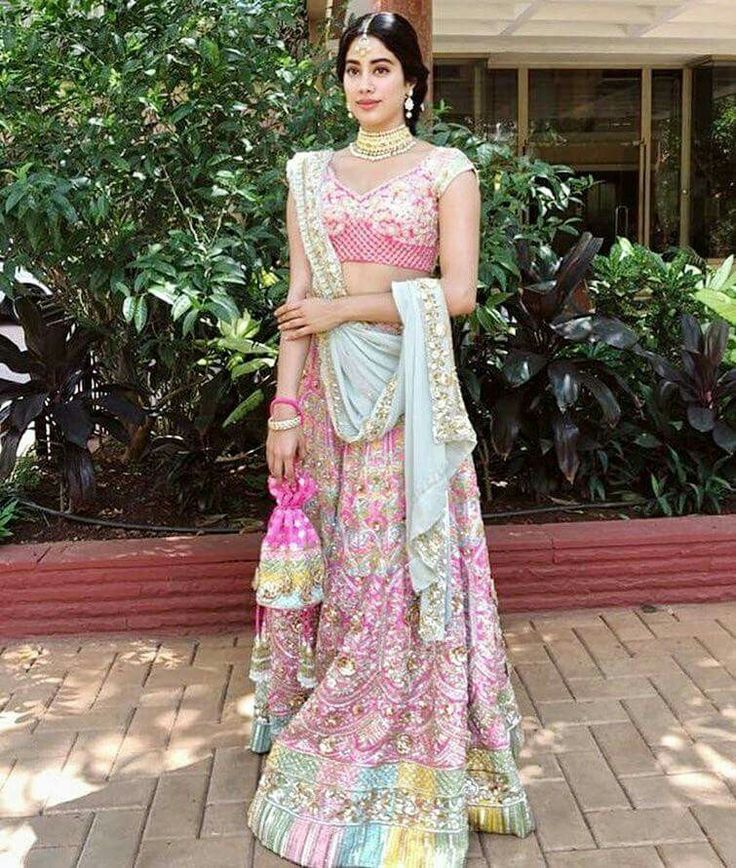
290 401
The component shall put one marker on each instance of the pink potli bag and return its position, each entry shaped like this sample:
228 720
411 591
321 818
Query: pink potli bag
289 575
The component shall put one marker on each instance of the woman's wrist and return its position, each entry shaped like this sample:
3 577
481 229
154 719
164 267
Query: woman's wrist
342 309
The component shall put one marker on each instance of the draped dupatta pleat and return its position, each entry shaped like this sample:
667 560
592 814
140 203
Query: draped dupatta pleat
372 378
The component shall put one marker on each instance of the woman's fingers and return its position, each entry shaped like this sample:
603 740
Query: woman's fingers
287 309
302 332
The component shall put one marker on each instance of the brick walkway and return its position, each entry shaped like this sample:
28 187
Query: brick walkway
122 752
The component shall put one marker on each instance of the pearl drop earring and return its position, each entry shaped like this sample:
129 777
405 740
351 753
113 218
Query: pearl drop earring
409 104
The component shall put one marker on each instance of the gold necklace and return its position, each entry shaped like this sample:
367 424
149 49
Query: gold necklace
379 145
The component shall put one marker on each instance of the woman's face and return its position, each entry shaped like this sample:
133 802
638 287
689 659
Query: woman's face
374 85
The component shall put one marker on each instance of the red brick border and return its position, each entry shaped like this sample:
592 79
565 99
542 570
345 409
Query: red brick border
187 584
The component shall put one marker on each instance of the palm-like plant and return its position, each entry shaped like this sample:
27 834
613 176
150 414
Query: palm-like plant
57 362
548 366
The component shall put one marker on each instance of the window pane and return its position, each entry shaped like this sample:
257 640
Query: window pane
714 161
454 83
665 158
499 105
584 105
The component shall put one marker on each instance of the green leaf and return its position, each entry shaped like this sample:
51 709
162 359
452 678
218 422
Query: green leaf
180 306
223 307
129 306
141 313
244 408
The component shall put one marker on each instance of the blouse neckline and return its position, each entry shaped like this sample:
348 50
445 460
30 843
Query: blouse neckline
356 195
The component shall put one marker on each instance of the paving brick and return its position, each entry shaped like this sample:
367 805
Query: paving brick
724 699
715 727
620 687
113 839
505 851
705 671
614 857
51 857
654 720
93 755
68 830
626 751
627 626
683 758
559 738
720 827
583 713
543 682
560 825
689 856
592 781
573 660
635 828
49 744
178 676
234 775
103 796
160 697
177 808
152 725
664 647
688 627
694 788
682 695
200 704
540 767
225 818
28 786
99 719
215 852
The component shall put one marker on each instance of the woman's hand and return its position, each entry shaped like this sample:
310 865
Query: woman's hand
297 319
284 448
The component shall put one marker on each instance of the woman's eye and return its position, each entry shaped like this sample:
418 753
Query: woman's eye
381 69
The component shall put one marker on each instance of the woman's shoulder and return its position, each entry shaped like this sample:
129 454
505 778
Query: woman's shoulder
449 162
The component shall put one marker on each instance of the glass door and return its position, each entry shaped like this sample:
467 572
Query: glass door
590 119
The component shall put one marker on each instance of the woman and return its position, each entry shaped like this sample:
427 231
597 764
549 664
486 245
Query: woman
406 735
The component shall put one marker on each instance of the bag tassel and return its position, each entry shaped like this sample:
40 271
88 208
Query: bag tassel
306 674
260 674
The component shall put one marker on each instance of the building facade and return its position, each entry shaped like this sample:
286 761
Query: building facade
640 95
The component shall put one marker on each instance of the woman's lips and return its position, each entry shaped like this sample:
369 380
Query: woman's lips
369 104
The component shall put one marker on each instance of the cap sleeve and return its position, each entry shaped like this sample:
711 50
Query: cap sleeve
454 163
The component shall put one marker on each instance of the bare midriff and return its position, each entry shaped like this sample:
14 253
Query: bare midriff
363 278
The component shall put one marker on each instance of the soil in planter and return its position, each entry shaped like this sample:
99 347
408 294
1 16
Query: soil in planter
129 493
126 493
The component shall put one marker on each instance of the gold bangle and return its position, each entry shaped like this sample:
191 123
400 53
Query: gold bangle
284 424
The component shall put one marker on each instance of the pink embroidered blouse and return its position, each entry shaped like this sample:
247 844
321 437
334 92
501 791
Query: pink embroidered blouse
396 222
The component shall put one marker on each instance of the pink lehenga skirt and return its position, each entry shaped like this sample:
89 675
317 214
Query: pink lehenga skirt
402 746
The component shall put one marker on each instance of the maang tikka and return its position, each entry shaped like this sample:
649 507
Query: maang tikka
363 45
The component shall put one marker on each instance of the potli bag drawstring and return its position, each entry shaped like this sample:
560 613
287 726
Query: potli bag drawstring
289 575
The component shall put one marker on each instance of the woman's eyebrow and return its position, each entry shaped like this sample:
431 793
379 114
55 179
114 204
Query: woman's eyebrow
375 60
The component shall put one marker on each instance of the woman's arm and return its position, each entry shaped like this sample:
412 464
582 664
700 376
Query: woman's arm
284 447
293 354
459 216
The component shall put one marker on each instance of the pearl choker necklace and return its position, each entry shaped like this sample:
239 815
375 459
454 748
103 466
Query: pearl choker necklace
378 146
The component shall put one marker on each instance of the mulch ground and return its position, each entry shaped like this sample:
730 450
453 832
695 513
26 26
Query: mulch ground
132 493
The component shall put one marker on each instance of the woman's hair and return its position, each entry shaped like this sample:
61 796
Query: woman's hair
398 35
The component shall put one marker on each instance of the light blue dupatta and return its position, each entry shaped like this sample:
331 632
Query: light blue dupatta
374 377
